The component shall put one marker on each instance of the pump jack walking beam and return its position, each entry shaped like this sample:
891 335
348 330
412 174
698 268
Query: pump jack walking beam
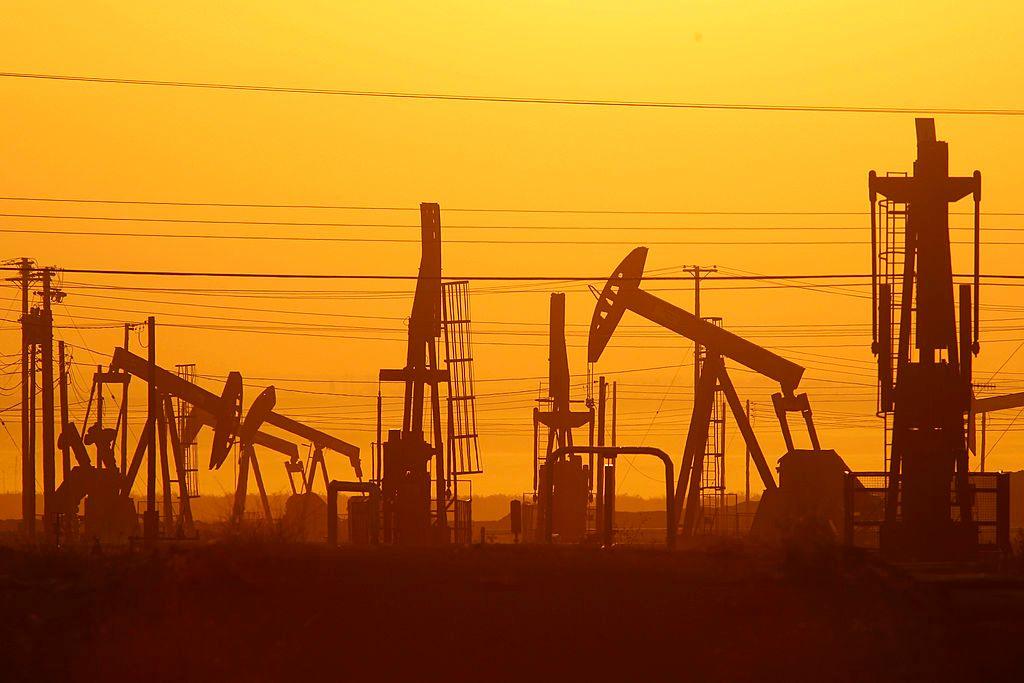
621 293
223 414
214 410
984 406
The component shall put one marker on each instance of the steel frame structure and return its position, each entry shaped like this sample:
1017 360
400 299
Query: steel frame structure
412 460
928 394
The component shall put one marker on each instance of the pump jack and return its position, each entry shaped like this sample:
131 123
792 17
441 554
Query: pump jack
927 397
570 478
403 472
621 293
223 413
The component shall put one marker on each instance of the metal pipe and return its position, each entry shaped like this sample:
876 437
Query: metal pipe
612 452
332 508
608 517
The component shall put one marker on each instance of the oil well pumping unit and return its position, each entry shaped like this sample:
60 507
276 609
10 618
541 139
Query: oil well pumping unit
932 506
571 480
810 480
106 488
418 467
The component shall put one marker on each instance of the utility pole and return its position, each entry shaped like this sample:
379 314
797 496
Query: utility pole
609 475
99 400
49 461
698 273
28 465
65 449
124 411
32 365
984 425
747 475
602 400
615 407
151 520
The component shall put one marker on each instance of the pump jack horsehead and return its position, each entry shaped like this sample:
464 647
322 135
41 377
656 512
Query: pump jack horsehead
621 293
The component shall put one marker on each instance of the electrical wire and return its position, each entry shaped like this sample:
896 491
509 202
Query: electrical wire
510 99
512 210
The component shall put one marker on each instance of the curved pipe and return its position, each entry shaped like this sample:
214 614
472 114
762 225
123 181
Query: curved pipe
332 507
612 452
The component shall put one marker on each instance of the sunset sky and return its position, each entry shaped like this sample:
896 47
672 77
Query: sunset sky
321 343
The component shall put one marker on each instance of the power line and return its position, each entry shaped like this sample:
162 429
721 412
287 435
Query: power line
352 207
481 278
389 240
485 278
510 99
417 226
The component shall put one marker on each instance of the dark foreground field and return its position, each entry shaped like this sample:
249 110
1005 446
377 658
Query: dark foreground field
252 612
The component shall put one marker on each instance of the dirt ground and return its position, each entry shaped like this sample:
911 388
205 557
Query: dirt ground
248 611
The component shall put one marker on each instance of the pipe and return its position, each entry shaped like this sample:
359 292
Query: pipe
612 452
332 508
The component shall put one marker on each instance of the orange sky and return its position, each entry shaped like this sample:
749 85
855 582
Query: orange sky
133 142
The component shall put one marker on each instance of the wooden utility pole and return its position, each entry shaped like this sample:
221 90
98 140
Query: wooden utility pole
124 411
49 459
65 449
602 400
615 408
28 464
747 475
99 401
151 518
32 389
698 273
611 465
984 428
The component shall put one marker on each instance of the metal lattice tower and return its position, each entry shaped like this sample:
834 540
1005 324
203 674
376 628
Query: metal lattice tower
189 451
712 482
463 442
